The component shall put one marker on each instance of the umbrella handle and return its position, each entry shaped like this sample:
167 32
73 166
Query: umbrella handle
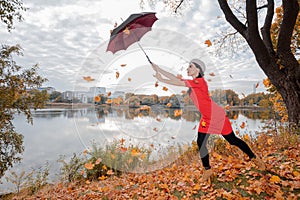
145 53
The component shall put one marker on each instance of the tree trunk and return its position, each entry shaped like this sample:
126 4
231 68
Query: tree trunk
281 67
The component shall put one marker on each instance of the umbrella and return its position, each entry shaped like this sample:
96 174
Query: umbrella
131 31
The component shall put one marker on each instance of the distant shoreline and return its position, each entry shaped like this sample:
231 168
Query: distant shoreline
84 105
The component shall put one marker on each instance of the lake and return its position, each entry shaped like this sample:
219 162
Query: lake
64 131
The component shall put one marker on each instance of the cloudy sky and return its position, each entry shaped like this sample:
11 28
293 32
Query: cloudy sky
68 40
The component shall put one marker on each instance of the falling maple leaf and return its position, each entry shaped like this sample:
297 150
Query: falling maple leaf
117 74
109 101
235 117
158 119
97 99
104 167
108 94
88 78
165 88
129 79
243 125
212 74
257 84
123 149
156 84
123 65
169 105
177 113
208 43
122 141
155 129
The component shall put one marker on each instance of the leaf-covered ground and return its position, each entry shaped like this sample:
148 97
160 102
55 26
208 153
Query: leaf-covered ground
234 176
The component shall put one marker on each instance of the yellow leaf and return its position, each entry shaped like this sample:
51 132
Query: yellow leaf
270 141
177 113
102 177
275 179
296 174
104 167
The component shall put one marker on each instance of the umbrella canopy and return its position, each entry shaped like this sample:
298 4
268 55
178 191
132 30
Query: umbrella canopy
131 31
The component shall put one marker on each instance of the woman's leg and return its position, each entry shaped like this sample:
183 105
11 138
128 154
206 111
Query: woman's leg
201 141
233 140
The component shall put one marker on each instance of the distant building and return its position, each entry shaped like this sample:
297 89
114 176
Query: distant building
97 90
49 90
83 96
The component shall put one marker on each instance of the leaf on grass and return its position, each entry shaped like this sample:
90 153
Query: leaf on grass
102 177
275 179
89 165
110 172
98 161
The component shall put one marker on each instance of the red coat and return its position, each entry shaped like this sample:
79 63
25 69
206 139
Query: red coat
214 119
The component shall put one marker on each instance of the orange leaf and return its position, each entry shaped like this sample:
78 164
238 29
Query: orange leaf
85 152
243 125
177 113
123 149
123 65
117 74
89 165
156 84
129 79
257 84
165 88
122 141
208 43
227 107
212 74
104 167
97 99
110 172
275 179
169 105
109 101
183 92
235 117
108 94
102 177
88 78
155 129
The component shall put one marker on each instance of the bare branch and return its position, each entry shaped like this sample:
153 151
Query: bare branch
231 18
265 30
178 5
261 7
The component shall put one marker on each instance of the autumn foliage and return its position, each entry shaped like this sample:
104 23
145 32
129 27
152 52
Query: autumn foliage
235 177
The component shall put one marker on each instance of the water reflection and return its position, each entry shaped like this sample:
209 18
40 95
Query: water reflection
66 131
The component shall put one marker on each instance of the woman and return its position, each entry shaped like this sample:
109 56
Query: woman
213 117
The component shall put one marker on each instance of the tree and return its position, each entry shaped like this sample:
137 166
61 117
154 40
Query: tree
18 91
9 11
276 59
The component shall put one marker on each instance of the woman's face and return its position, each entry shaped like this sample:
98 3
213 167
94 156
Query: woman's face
192 70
